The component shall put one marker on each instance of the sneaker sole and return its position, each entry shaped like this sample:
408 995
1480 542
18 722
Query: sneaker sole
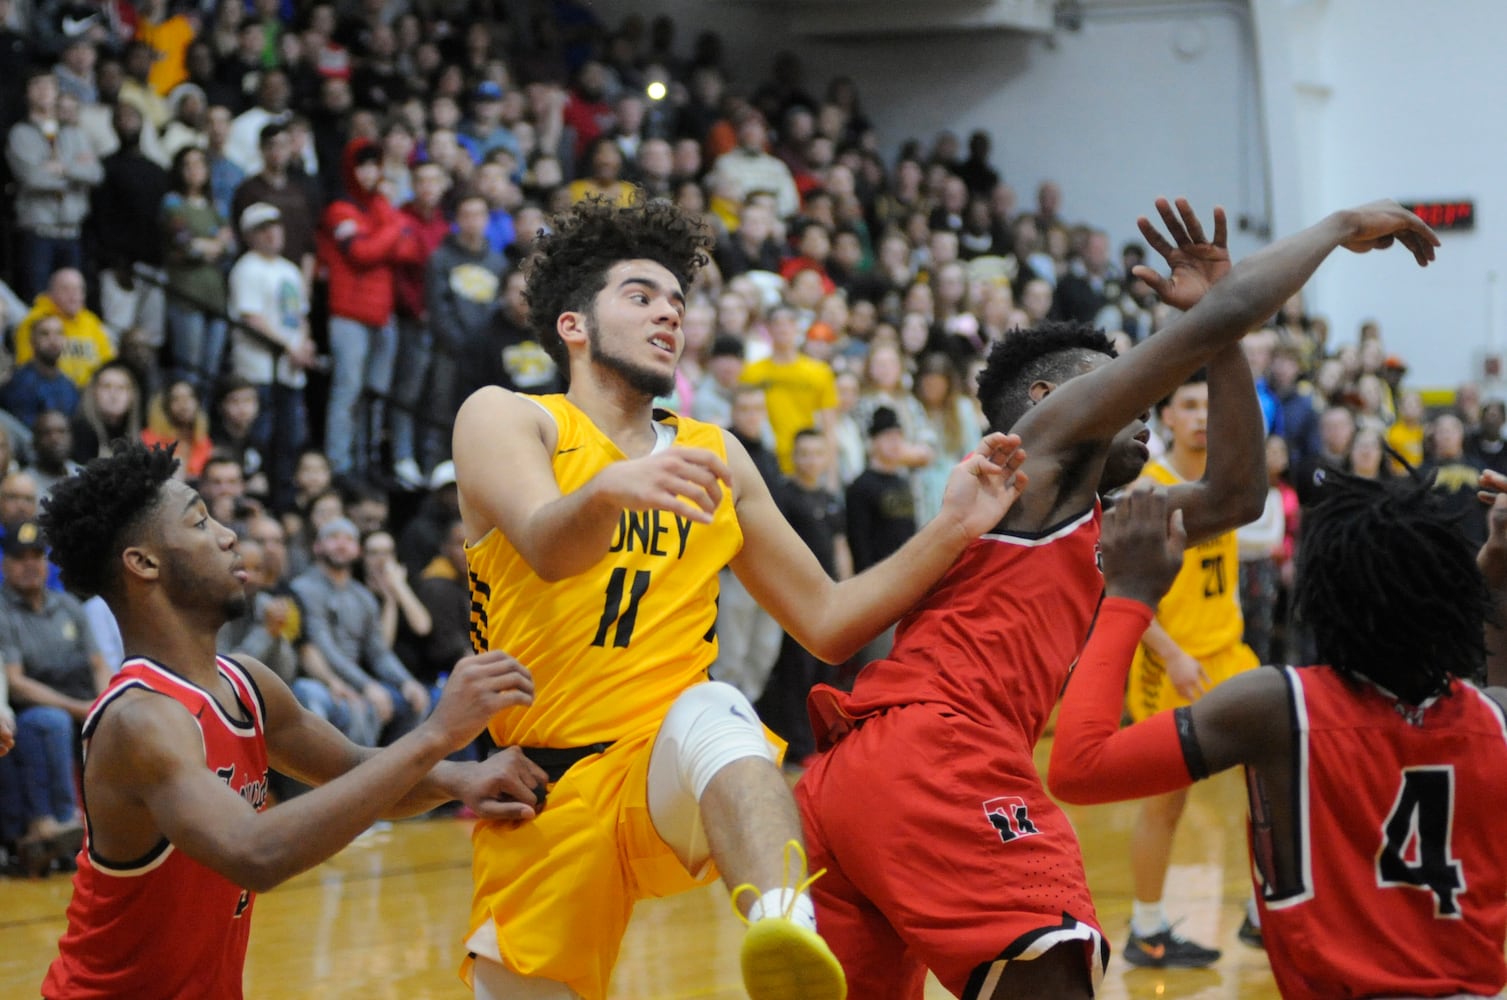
1146 962
782 961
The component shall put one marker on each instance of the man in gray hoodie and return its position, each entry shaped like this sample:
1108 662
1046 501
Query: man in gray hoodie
464 281
55 168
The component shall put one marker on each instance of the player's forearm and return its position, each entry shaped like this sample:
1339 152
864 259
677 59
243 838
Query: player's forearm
1233 489
1093 760
865 605
436 788
1161 644
1256 287
570 535
297 835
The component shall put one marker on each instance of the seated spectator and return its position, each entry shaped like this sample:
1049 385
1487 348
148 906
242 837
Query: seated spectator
109 411
344 623
232 430
39 384
421 537
54 672
52 447
223 486
402 612
176 417
604 176
445 593
87 344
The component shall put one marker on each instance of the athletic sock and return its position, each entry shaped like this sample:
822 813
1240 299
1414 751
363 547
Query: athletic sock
1147 919
1253 912
776 903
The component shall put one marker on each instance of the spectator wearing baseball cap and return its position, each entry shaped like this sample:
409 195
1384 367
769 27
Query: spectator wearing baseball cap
485 127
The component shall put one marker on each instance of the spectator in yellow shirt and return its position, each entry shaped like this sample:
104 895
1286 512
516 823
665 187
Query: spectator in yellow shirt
87 345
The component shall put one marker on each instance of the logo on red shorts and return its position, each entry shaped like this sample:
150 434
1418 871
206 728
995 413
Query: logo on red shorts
1010 818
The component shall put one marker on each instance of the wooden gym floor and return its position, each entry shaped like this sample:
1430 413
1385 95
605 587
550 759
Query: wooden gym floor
383 920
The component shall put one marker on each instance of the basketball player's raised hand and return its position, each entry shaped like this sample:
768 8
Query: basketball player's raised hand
684 481
479 687
1376 225
1142 546
985 485
1196 262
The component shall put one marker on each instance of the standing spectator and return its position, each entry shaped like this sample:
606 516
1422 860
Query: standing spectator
54 672
1300 414
167 36
416 327
485 130
39 384
955 428
52 450
799 390
189 125
818 517
604 175
124 224
748 637
54 167
198 240
361 240
1486 445
17 55
110 410
1457 477
75 71
267 294
1406 435
224 175
1265 548
712 402
1336 432
343 621
881 511
244 147
277 186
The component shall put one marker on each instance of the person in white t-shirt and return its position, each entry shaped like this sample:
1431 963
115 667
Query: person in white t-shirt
267 296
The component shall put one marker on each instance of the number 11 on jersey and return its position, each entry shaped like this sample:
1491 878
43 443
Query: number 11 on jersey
613 611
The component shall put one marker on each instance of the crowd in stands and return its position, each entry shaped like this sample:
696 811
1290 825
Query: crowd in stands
287 236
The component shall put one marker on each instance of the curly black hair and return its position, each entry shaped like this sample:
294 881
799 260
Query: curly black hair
1053 351
569 265
1389 585
92 517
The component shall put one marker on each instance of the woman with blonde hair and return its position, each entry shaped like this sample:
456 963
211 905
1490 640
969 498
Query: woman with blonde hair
109 410
954 424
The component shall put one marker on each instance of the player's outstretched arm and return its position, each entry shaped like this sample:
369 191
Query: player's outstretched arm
1097 405
1093 760
1232 491
150 757
504 446
835 620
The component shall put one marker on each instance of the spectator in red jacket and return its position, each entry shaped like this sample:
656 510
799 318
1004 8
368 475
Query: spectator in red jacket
362 240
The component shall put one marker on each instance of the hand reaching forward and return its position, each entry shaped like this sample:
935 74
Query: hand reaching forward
480 686
683 481
1376 225
1142 546
506 786
1196 263
985 485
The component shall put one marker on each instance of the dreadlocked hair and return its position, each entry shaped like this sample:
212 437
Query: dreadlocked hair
1052 352
569 264
1390 587
92 517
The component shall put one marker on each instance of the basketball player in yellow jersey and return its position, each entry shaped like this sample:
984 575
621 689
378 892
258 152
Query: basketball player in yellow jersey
595 528
1193 643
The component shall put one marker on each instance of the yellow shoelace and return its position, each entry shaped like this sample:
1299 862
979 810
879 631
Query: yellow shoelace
801 886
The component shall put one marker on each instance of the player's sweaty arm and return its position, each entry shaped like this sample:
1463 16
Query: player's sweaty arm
503 448
1493 562
834 620
1097 405
150 759
1243 720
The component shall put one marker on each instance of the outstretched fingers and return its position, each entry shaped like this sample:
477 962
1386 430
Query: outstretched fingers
1190 221
1172 220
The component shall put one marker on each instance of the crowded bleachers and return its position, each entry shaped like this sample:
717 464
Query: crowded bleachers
288 237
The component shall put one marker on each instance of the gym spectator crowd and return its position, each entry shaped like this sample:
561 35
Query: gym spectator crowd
287 237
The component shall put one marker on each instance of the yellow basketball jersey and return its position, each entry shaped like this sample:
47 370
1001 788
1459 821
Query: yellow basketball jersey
612 647
1201 611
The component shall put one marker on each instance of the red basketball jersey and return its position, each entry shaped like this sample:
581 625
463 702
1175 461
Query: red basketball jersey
164 925
995 639
1403 884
